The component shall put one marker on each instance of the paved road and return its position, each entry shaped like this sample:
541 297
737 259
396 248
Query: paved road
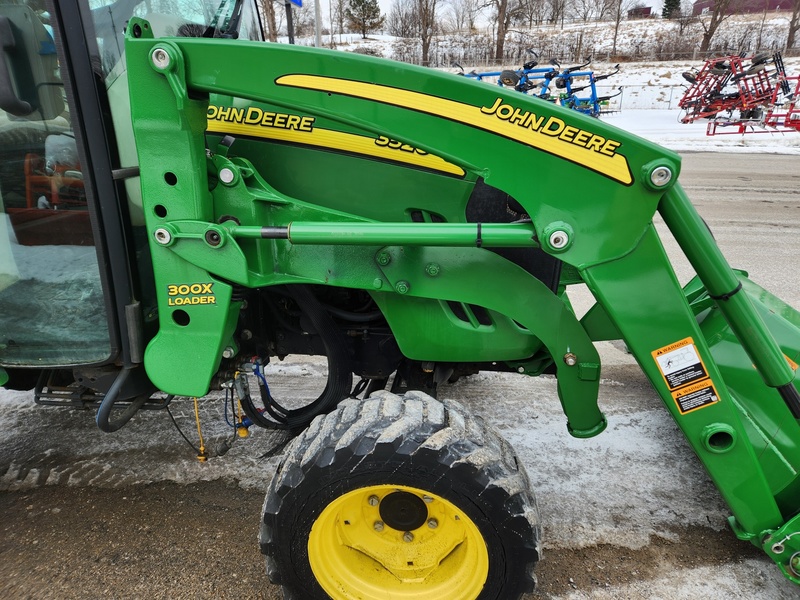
630 514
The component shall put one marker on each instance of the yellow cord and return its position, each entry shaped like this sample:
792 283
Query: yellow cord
202 457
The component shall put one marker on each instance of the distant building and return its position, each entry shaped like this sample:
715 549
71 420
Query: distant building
738 7
640 12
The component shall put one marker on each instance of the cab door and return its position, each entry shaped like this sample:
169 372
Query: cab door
53 296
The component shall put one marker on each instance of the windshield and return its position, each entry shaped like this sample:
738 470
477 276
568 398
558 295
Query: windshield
184 18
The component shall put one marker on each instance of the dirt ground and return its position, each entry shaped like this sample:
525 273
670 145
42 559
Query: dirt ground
199 541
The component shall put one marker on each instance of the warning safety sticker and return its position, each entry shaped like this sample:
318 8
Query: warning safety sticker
685 375
695 396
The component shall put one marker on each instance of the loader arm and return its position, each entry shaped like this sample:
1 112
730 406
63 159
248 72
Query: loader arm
217 225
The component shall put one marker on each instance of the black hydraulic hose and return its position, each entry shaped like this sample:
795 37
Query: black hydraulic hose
103 417
340 373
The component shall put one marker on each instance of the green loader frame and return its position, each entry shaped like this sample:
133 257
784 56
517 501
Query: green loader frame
721 352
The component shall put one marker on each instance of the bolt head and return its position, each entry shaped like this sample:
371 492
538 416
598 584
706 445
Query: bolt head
373 500
432 269
226 175
570 359
408 537
661 176
433 523
228 352
402 287
559 239
160 58
378 525
384 258
163 236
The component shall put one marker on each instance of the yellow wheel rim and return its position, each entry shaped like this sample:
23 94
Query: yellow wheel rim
360 547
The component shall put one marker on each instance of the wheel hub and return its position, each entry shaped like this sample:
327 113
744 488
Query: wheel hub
403 511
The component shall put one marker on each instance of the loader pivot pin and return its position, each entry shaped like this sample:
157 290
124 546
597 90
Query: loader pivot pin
160 58
660 176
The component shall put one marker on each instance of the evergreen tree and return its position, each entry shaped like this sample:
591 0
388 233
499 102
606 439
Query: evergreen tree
364 16
672 9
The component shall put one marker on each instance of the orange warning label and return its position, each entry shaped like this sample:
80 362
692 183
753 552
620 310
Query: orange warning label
685 375
695 396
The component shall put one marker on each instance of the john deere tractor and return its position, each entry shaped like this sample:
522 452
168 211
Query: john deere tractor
184 203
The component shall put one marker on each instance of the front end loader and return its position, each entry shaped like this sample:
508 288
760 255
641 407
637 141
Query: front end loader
287 200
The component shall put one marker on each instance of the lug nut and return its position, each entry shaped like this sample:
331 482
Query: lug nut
378 525
373 500
433 523
408 537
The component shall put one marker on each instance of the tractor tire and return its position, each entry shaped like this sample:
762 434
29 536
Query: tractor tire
395 497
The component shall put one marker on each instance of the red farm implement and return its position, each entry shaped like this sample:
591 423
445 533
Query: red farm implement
742 94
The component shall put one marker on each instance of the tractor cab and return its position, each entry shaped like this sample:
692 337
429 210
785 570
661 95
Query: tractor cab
75 274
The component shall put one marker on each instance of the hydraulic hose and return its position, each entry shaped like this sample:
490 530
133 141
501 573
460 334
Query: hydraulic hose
340 374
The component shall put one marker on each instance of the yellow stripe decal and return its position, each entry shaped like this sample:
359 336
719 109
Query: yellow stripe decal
311 135
551 134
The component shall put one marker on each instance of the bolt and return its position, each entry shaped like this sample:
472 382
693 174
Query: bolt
373 500
160 58
432 269
402 287
408 537
520 369
378 525
247 334
377 283
163 236
660 176
384 258
226 175
427 499
433 523
213 238
559 239
228 352
570 359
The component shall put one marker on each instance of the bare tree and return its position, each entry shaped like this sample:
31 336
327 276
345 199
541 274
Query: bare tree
268 12
533 12
586 10
557 11
403 20
618 12
505 11
461 15
719 11
338 8
794 24
427 26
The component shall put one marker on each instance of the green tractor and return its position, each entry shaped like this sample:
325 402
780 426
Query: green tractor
184 202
